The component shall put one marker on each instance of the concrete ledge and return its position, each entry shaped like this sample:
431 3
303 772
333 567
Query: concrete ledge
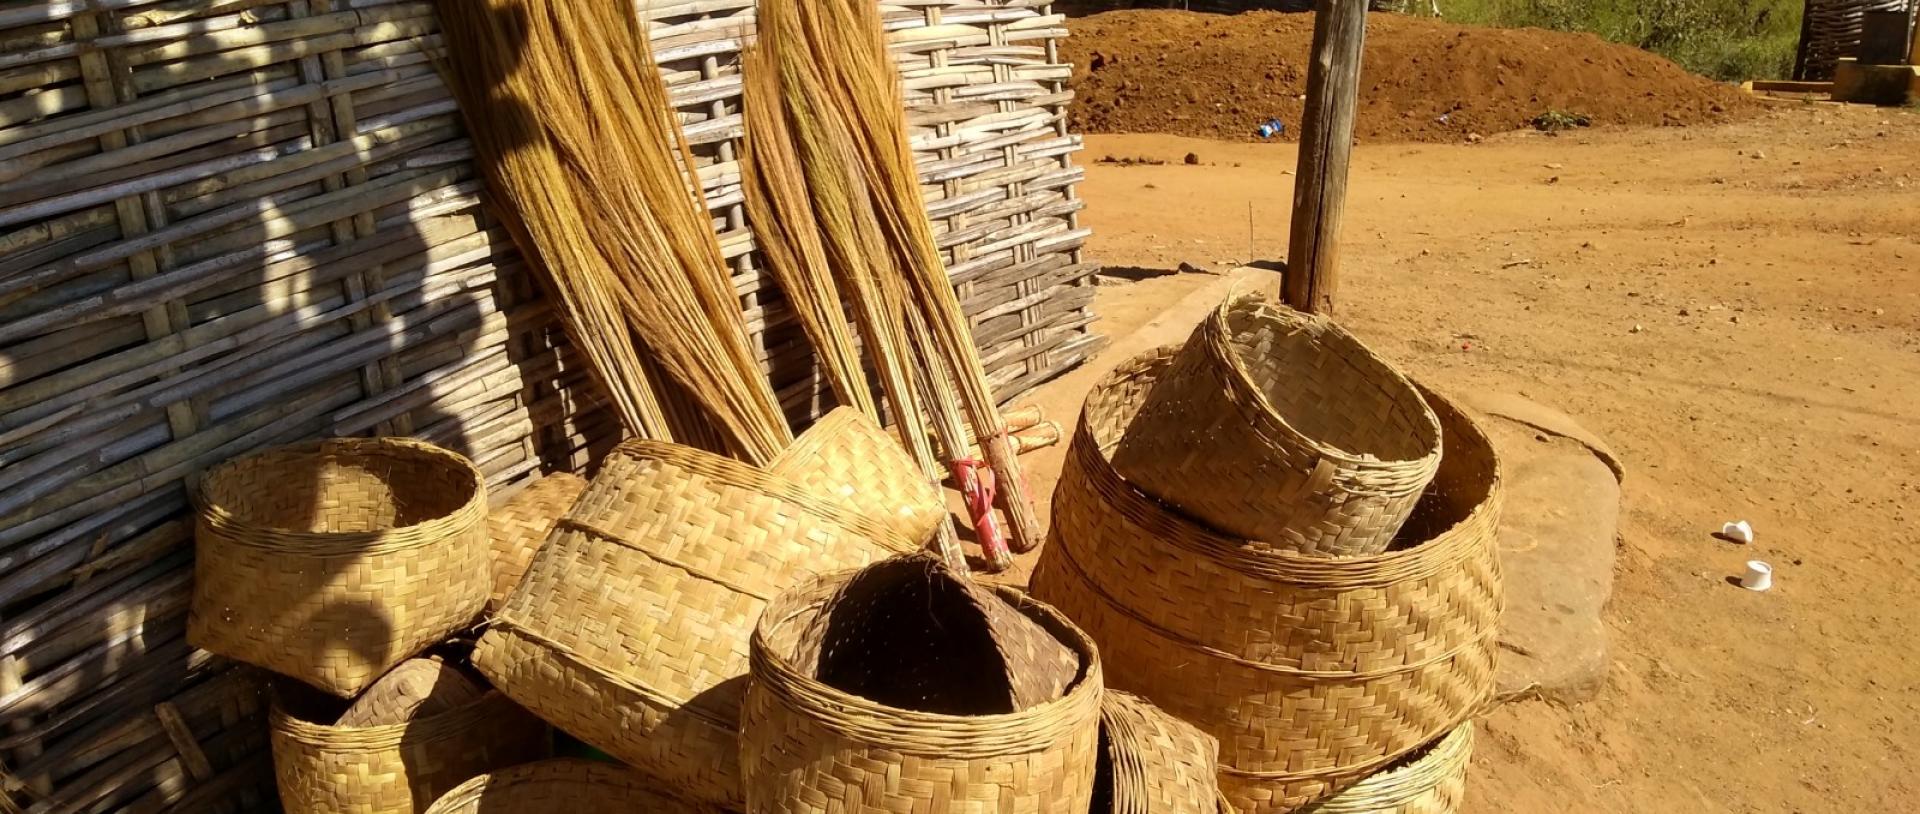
1875 84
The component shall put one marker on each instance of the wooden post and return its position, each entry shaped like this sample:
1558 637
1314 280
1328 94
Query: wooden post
1326 144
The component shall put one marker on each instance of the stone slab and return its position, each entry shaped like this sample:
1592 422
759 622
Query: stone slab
1556 551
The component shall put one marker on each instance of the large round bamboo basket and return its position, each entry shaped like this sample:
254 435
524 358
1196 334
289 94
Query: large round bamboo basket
332 562
564 786
1152 762
518 528
630 631
398 768
1311 671
1279 426
1431 780
809 747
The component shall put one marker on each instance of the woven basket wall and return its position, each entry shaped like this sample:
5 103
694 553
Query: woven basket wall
1431 780
334 561
630 630
1279 426
1310 671
563 786
400 768
1153 763
807 746
520 525
225 226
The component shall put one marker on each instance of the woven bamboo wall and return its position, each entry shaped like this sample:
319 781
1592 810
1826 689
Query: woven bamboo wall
1831 30
226 224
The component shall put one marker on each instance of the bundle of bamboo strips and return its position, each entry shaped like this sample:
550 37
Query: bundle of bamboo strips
845 107
571 120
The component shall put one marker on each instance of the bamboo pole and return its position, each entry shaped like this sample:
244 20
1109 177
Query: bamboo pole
1326 147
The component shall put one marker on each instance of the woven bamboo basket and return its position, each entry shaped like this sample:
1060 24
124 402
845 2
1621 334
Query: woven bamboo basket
1279 426
563 786
1152 762
417 688
398 768
848 458
968 745
331 562
1432 780
1311 671
630 630
517 529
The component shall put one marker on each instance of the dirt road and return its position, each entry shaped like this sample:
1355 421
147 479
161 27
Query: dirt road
1737 310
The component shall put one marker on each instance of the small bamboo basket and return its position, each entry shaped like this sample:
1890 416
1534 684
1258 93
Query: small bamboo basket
1432 780
397 768
1279 426
1152 762
1312 672
810 747
564 786
518 528
332 562
630 631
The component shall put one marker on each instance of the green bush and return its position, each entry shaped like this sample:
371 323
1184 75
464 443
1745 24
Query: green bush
1724 39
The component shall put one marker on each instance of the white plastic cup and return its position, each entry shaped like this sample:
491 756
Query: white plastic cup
1759 576
1741 531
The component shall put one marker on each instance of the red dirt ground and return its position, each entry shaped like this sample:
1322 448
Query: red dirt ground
1220 76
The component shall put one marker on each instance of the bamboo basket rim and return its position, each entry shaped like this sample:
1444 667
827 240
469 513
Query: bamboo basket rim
385 736
237 529
1320 328
1415 773
743 474
574 770
1442 551
929 734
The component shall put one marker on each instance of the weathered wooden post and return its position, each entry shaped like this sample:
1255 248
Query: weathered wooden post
1326 145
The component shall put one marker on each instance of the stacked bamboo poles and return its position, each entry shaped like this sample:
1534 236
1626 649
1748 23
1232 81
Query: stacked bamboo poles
572 120
845 106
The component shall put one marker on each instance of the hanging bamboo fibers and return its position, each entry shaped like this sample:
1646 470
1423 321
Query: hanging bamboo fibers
543 216
573 122
827 161
843 41
787 232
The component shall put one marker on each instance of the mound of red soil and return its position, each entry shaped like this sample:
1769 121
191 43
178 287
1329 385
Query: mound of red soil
1221 76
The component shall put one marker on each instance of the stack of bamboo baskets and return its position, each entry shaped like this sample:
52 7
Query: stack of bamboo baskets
1263 531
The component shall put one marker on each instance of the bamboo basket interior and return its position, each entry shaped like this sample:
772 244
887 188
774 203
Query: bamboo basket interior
230 225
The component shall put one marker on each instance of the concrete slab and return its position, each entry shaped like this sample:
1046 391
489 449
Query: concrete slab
1556 551
1875 84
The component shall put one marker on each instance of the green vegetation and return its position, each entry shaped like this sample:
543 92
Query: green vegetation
1724 39
1554 121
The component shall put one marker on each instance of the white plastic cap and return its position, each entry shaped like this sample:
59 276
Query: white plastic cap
1759 576
1741 531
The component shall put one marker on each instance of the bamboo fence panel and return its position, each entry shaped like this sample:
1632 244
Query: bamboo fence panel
1831 29
227 224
